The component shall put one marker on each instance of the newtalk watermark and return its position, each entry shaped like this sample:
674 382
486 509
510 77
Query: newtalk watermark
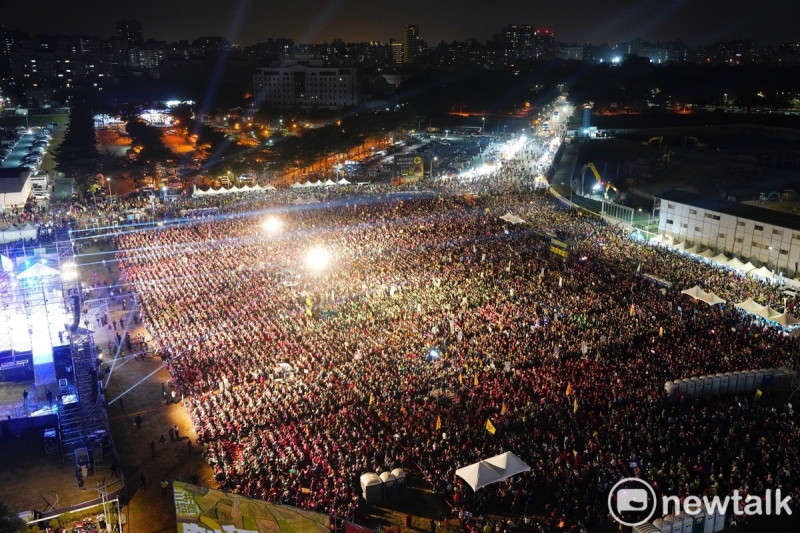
632 501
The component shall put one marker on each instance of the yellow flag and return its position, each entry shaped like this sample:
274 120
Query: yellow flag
661 331
575 406
461 379
631 314
490 427
758 393
438 422
569 388
475 381
503 409
371 398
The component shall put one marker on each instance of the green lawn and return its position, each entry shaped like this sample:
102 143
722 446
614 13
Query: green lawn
14 121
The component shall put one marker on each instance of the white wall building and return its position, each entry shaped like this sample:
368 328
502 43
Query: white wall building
306 86
15 187
762 236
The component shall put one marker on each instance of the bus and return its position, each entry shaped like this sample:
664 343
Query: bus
545 126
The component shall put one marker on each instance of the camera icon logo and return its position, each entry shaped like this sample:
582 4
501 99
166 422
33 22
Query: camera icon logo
632 501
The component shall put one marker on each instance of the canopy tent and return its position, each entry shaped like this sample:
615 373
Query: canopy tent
679 246
329 182
38 270
754 308
784 319
657 239
738 265
492 470
692 250
699 294
512 218
28 231
707 254
297 185
748 267
343 182
720 258
762 272
269 187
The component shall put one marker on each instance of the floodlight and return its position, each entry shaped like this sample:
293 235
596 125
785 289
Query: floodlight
272 225
318 258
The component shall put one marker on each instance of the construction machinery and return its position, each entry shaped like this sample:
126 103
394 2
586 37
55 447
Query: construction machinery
659 139
600 183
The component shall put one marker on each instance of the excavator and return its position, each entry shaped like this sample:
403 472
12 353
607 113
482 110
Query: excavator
600 183
659 139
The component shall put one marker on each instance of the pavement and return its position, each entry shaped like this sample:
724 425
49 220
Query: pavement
134 387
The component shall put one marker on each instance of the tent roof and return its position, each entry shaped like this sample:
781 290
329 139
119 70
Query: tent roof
38 270
763 272
708 254
721 258
754 308
693 249
492 470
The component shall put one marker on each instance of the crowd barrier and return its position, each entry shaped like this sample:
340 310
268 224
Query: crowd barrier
743 382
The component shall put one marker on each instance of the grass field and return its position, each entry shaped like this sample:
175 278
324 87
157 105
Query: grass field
14 121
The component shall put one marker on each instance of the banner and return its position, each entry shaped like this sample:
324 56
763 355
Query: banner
204 510
490 427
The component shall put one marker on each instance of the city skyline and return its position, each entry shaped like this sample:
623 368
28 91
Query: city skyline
246 22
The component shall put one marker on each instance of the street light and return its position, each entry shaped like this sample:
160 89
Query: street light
483 126
430 173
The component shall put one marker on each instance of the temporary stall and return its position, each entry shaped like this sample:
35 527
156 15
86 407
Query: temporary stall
762 272
706 254
724 383
28 231
698 522
680 246
720 258
297 185
691 389
343 182
753 308
371 488
716 381
329 182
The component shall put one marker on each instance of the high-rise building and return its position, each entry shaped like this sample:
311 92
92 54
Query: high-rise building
396 51
306 86
410 37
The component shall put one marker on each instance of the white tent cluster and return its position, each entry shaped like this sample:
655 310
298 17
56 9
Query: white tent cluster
327 183
492 470
699 294
766 312
14 233
720 259
230 190
512 218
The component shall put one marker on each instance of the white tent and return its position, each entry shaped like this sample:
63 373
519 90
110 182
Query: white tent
10 234
269 187
754 308
784 319
762 272
713 299
679 246
512 218
38 270
708 254
699 294
329 182
735 264
720 258
28 231
748 267
693 249
343 182
492 470
297 185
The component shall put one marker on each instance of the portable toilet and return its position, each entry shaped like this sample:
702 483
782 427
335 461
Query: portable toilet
708 525
741 381
670 388
716 381
708 385
751 381
400 480
645 528
733 382
682 385
725 383
662 525
685 522
719 520
698 522
691 389
371 488
759 378
389 485
668 523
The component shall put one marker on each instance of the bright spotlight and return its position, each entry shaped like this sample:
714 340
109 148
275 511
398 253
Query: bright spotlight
272 225
318 258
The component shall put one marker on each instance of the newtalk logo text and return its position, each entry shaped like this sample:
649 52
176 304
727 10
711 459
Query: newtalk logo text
632 501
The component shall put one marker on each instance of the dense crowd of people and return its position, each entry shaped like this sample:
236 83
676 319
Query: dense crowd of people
435 316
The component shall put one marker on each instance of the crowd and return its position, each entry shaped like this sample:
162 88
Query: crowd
436 316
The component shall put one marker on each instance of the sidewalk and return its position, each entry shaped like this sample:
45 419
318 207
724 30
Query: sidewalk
139 383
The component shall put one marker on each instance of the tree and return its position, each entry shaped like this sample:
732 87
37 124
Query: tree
10 522
77 156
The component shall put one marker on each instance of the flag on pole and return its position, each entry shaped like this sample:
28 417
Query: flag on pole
631 313
569 388
503 409
490 427
575 406
371 398
461 379
475 381
758 394
661 331
438 423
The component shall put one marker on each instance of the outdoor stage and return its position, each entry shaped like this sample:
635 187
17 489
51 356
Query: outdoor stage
34 318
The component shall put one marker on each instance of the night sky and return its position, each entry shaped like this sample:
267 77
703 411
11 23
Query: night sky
245 22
